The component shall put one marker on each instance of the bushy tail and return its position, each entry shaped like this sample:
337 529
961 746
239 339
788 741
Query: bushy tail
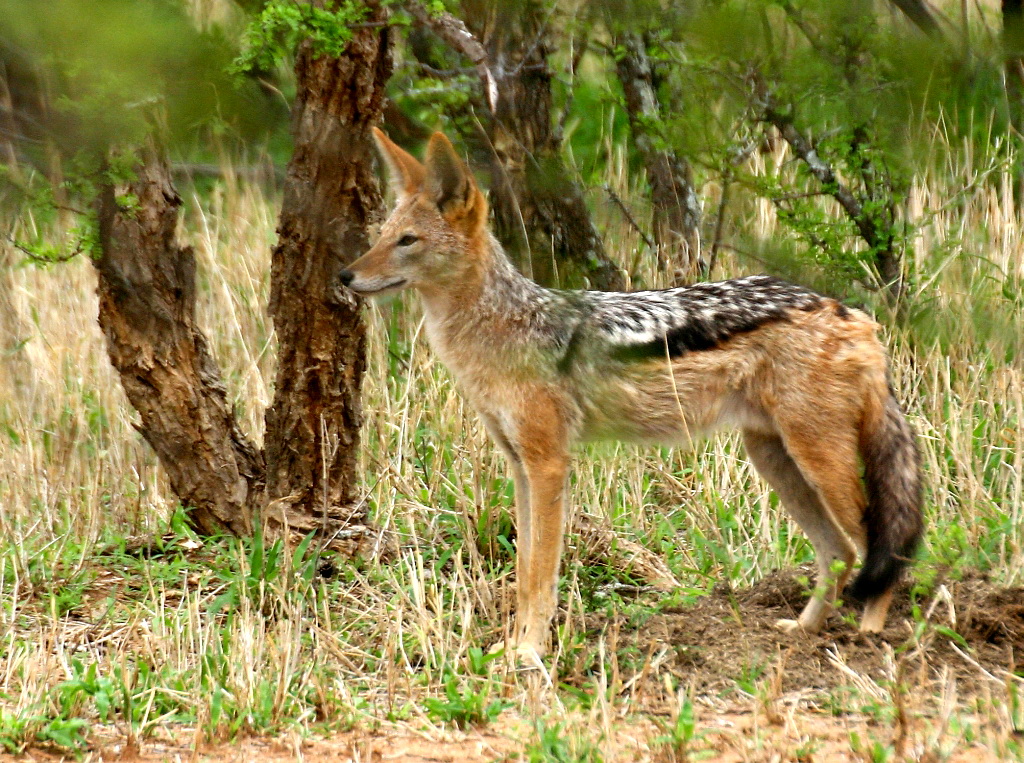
892 471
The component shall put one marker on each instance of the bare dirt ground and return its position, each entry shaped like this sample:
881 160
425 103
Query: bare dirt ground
729 632
932 687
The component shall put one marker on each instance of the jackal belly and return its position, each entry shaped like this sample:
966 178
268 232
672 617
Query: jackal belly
669 405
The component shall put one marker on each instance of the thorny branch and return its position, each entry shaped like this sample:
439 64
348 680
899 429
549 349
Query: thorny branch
806 150
874 235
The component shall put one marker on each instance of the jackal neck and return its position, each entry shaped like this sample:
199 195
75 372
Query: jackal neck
494 314
489 287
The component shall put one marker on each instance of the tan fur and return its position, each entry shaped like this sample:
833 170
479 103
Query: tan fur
800 389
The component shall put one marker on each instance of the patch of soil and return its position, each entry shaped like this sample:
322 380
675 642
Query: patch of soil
392 745
995 617
731 634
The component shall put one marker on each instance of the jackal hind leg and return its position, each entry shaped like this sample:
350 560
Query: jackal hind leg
803 499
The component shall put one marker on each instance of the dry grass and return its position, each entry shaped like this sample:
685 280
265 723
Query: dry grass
118 627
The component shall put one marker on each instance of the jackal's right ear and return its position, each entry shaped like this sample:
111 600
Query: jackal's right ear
451 186
405 171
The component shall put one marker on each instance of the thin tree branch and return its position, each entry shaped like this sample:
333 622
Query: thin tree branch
795 196
797 17
453 31
879 237
629 218
40 260
921 14
716 242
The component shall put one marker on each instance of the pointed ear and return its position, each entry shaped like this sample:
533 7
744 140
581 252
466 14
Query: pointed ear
449 184
406 173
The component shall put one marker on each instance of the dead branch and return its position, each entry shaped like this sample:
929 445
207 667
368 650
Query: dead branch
454 32
920 14
629 218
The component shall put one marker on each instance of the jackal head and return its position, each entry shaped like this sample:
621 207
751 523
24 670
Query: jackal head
437 231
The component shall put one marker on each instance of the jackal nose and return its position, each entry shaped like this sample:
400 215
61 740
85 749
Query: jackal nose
346 276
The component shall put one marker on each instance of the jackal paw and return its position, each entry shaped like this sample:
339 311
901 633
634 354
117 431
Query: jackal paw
500 646
528 657
871 626
524 656
788 626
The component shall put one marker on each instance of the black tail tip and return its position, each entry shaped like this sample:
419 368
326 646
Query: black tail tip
880 572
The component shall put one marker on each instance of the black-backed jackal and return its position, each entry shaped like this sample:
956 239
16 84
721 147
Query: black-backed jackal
801 375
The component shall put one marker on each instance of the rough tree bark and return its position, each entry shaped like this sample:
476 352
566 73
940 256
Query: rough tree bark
147 312
539 210
330 197
305 480
676 206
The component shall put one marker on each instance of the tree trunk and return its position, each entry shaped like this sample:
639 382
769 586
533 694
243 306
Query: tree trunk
1013 56
147 312
676 207
330 197
306 478
540 212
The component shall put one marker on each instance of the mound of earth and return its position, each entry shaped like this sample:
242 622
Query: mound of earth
969 625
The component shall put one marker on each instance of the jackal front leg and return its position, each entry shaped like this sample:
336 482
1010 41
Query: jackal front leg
503 440
539 552
537 448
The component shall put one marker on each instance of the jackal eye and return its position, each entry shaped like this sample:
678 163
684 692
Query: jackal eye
408 240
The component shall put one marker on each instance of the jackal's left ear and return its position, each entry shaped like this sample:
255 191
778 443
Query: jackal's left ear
451 186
